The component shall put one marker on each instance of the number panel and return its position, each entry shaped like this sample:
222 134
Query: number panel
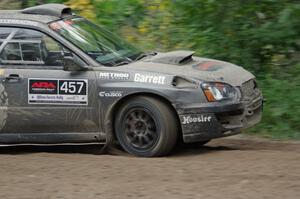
62 92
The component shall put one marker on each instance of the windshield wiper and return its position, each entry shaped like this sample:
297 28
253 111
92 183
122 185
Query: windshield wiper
122 63
141 56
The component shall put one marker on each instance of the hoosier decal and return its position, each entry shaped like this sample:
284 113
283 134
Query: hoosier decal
199 119
53 91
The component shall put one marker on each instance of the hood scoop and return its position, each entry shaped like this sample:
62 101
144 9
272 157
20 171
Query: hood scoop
51 9
175 57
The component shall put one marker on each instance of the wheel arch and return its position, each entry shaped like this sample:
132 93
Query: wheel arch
110 117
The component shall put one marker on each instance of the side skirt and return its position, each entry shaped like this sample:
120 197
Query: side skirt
51 138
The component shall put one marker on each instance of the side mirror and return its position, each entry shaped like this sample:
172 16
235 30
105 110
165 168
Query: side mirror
73 63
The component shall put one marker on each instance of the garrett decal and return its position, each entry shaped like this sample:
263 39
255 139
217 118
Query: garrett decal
111 94
54 91
149 79
114 76
199 119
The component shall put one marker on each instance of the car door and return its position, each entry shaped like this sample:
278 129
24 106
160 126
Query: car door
36 94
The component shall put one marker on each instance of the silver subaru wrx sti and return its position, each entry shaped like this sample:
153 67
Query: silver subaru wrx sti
67 80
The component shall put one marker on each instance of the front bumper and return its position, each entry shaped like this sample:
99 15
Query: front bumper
212 120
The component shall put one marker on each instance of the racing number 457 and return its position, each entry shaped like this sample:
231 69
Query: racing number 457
72 87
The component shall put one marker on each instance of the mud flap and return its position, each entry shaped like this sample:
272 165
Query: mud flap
198 127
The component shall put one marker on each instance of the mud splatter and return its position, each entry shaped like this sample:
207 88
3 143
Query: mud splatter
3 106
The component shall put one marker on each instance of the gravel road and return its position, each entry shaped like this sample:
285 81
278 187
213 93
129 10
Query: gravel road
225 168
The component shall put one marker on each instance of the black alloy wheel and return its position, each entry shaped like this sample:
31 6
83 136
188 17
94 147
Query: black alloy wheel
146 127
140 129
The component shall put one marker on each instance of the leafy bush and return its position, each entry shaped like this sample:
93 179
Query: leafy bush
282 109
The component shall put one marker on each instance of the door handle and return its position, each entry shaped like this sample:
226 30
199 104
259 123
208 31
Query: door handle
12 78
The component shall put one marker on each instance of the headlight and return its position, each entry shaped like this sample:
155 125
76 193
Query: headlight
219 91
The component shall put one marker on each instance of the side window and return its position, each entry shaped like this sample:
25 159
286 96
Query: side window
20 46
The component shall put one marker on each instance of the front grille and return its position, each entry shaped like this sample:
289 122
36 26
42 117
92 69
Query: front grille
248 88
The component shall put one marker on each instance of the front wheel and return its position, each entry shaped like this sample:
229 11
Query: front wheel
146 127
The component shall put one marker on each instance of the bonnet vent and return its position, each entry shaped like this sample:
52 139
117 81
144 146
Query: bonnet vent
56 10
179 57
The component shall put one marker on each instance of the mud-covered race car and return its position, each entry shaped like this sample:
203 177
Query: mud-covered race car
67 80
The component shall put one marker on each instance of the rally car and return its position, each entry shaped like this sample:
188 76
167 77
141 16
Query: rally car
67 80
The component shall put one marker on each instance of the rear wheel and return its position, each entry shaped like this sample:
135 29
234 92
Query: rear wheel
146 127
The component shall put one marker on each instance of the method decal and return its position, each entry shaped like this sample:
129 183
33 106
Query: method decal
114 76
54 91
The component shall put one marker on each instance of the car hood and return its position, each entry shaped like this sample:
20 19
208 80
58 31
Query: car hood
183 63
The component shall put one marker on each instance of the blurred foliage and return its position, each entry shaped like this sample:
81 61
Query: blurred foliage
261 35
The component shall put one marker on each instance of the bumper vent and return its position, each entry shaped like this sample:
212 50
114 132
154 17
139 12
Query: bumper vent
251 96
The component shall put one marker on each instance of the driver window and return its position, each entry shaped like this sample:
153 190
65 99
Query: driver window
20 46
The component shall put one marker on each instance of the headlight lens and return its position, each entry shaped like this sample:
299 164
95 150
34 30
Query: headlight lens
219 91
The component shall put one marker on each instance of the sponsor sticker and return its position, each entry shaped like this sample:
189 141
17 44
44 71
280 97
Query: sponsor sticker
111 94
2 72
17 21
114 76
208 66
197 119
151 79
58 91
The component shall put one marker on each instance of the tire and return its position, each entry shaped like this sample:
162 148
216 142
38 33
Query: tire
146 127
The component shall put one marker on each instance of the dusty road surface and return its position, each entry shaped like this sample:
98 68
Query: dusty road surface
225 168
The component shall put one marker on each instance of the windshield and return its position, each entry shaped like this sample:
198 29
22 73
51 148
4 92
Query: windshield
100 44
